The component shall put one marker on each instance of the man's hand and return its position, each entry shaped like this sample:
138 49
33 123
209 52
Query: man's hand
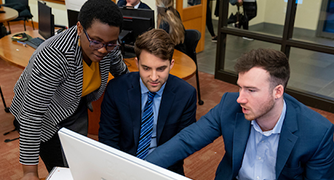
30 172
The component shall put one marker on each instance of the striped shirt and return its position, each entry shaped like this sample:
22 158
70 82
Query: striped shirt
49 90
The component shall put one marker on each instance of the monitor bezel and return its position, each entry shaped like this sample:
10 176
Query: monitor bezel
45 20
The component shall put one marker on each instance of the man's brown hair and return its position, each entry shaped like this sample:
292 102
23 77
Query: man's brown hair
157 42
274 62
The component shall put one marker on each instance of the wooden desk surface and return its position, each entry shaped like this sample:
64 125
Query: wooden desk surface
10 14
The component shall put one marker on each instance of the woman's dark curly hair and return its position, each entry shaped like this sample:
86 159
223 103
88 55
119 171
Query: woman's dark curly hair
104 11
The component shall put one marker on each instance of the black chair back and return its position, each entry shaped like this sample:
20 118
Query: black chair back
22 7
192 36
23 2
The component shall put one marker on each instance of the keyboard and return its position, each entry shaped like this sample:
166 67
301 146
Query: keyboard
34 42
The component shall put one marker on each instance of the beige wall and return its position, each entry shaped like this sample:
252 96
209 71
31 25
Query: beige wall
60 13
307 15
273 11
270 11
58 10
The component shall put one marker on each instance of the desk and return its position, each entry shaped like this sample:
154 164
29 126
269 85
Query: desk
19 55
9 14
15 52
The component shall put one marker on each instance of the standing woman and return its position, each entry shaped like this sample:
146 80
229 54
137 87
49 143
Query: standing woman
169 20
64 75
250 11
208 21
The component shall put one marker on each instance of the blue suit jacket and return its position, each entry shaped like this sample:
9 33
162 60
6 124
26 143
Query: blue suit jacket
305 149
142 5
121 113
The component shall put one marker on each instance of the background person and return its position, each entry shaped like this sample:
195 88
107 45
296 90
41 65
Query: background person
208 21
250 10
64 75
267 134
124 103
133 3
169 20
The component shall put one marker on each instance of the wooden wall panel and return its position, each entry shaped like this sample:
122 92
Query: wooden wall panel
194 17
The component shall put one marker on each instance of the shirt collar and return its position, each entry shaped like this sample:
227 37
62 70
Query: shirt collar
136 6
278 127
145 90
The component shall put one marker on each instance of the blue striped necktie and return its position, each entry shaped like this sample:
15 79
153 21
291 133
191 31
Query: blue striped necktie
146 127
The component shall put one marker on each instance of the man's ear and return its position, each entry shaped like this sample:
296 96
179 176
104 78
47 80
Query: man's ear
172 63
278 91
137 62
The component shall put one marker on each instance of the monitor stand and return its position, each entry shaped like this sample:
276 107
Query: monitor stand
126 47
123 34
128 51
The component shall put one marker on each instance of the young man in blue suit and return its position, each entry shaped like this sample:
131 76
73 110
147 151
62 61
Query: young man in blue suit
267 133
174 102
133 3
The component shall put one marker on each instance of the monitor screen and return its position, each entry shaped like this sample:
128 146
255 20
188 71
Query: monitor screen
73 7
89 159
45 20
72 17
136 21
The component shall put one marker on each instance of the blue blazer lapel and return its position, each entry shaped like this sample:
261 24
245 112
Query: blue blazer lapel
166 103
240 138
134 101
287 139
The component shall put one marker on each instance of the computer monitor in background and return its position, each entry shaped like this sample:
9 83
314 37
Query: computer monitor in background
73 7
45 20
72 17
89 159
136 22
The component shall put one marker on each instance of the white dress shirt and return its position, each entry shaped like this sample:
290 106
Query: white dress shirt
259 160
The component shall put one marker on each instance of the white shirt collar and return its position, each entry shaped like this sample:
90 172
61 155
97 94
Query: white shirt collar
145 90
136 6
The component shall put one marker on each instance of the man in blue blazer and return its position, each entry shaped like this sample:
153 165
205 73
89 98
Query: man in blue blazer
133 3
267 133
174 103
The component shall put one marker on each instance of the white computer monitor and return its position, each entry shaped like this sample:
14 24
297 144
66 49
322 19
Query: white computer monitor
74 4
91 160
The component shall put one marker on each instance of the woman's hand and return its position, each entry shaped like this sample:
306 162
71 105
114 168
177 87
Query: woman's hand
30 172
30 176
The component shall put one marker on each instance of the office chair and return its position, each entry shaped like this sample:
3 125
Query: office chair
192 36
3 101
22 6
15 122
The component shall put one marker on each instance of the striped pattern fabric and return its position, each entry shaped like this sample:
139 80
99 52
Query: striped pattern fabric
146 127
49 89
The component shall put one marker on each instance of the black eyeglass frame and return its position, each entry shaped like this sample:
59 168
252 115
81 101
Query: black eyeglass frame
98 45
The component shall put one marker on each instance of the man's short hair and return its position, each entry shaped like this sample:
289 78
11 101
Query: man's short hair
105 11
157 42
273 61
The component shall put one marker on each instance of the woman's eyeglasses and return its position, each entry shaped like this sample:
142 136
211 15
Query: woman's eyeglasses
98 45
